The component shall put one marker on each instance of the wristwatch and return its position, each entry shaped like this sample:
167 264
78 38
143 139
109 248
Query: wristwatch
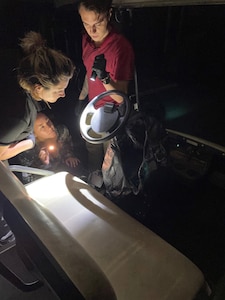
106 80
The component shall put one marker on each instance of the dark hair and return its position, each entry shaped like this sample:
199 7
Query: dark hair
41 65
99 6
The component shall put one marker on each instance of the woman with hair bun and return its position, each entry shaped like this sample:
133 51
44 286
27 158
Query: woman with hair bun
43 74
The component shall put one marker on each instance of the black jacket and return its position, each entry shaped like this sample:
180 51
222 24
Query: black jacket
17 119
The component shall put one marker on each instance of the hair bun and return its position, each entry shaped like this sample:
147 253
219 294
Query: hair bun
32 42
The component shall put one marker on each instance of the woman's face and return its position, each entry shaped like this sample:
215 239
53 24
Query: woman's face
53 93
95 24
44 128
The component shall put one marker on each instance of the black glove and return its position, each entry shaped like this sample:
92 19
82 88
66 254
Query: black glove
99 67
31 137
80 105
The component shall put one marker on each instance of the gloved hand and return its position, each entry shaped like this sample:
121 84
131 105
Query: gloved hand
31 137
99 66
79 107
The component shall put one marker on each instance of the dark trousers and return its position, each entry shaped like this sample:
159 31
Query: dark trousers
96 153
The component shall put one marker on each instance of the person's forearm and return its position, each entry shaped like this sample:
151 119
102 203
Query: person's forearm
121 86
7 152
84 91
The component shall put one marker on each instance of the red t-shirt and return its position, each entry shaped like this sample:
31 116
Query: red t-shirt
119 57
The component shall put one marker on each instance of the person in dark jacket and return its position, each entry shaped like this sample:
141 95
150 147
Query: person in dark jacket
43 73
54 150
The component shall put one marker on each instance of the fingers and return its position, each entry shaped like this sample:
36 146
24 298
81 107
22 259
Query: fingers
44 155
72 162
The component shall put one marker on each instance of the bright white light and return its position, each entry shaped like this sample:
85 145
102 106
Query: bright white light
51 148
72 201
47 189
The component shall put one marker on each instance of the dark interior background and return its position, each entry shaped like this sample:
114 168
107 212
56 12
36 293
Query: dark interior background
179 58
180 65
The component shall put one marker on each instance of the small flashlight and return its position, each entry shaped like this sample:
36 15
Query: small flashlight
93 76
51 148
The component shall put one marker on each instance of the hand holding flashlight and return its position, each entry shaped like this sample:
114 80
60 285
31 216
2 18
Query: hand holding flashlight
44 156
98 68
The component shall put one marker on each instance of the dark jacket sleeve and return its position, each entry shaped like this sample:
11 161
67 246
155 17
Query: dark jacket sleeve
13 130
17 121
